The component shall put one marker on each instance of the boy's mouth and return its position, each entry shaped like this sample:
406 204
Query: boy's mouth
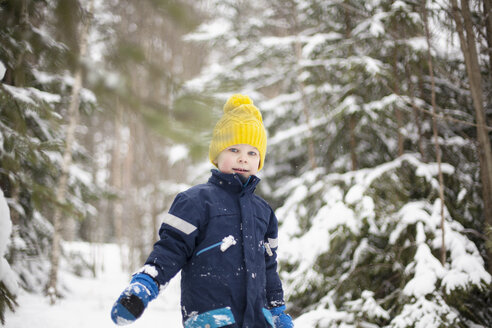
240 170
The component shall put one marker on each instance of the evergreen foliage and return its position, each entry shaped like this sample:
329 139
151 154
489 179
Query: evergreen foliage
361 227
373 242
34 96
345 92
7 300
39 57
141 75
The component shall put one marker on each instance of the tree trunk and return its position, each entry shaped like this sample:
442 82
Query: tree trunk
353 141
304 103
19 77
434 129
352 118
398 114
422 93
487 12
73 114
416 112
305 109
116 177
132 217
464 27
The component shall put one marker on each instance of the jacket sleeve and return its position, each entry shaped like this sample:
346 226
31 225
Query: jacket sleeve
177 233
274 291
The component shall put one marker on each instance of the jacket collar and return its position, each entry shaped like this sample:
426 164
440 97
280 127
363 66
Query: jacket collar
233 183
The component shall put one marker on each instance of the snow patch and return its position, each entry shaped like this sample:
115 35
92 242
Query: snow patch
424 314
7 275
177 153
210 30
94 295
227 242
368 305
26 95
427 269
2 70
150 270
354 194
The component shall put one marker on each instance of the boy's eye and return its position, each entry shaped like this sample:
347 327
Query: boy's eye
253 153
234 150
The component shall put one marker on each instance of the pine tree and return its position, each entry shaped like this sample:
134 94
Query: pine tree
363 247
34 93
369 234
465 28
29 133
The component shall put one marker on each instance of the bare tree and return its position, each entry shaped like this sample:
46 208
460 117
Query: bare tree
73 116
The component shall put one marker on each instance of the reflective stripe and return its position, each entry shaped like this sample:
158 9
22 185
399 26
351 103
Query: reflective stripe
213 319
273 242
178 223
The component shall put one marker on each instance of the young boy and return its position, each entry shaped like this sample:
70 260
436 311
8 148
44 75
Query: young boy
221 236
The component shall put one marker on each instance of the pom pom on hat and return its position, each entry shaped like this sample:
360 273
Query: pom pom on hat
241 123
236 101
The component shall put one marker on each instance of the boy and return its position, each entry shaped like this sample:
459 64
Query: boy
221 236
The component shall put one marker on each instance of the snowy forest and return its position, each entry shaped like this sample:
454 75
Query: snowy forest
379 162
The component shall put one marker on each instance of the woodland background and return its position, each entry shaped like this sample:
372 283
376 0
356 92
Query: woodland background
379 162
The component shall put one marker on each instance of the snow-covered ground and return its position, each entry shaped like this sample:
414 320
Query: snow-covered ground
88 300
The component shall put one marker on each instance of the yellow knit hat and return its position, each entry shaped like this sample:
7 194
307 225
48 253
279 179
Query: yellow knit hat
241 124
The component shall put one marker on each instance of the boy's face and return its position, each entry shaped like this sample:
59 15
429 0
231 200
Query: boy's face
243 159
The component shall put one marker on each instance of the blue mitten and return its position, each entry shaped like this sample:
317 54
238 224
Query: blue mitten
134 299
281 319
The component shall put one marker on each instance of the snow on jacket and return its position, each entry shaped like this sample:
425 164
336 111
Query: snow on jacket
224 238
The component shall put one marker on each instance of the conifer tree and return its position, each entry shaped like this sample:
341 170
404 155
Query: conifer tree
34 93
370 233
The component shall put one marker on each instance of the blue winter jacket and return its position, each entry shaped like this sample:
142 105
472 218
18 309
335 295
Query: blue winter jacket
224 239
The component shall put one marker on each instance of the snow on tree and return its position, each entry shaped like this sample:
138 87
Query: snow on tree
34 92
8 278
360 227
2 70
350 257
